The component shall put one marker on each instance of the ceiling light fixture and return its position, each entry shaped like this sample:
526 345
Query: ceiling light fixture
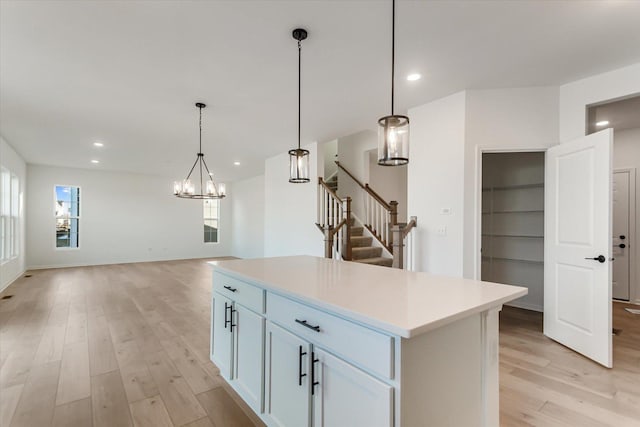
602 123
413 77
95 161
98 144
236 163
298 157
186 189
393 130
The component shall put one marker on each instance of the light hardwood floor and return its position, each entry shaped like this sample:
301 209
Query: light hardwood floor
128 344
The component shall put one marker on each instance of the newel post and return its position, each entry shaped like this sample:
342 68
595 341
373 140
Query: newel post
398 246
347 235
328 241
393 221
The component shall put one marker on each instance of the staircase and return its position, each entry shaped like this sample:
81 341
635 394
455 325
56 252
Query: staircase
362 249
344 239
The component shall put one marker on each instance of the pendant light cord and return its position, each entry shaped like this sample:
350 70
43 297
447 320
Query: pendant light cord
299 87
393 50
200 126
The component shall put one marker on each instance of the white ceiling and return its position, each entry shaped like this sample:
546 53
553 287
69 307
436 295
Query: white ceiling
128 73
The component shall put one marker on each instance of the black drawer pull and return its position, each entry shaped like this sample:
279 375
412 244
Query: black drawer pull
304 323
229 288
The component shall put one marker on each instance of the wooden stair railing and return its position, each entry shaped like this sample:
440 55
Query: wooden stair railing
400 233
333 214
379 216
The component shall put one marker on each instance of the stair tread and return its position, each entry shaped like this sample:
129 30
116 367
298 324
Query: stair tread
376 261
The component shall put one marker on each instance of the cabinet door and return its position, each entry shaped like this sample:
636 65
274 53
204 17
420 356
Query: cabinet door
221 334
249 351
287 400
346 396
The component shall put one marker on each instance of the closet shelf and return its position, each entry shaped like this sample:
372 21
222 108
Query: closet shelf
514 235
523 211
526 261
513 187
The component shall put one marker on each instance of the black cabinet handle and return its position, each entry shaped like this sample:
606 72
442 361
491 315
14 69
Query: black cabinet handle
226 320
229 288
300 374
314 383
304 323
623 237
600 258
622 246
231 324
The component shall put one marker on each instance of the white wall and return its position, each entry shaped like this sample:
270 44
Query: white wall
248 208
352 154
11 160
626 154
290 209
390 182
501 119
576 96
330 150
435 181
124 218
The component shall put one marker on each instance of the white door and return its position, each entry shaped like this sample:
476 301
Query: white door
222 336
287 394
577 261
249 348
346 396
621 243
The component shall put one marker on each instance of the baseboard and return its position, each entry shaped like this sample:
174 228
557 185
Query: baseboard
52 266
17 276
526 306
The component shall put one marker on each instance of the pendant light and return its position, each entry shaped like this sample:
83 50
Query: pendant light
207 189
298 157
393 130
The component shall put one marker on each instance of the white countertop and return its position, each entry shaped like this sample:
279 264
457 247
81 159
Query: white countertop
396 301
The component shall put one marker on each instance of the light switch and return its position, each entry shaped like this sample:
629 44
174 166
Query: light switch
442 230
445 211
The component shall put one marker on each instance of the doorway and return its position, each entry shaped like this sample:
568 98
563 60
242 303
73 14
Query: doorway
623 232
512 223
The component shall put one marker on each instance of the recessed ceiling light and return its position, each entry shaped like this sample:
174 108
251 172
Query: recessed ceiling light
236 163
95 161
602 123
98 144
413 77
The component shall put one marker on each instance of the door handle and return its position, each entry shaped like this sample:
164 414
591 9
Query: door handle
231 324
600 258
622 246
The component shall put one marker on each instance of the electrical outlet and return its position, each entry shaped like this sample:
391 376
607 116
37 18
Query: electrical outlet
445 211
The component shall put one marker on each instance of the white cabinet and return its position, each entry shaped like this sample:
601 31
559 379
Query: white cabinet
237 339
222 336
287 401
249 351
346 396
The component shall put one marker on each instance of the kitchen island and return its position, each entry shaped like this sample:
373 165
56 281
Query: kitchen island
313 341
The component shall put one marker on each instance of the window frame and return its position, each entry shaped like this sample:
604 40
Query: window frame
55 217
205 218
6 221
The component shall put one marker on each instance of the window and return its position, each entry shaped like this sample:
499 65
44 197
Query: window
67 209
211 218
9 215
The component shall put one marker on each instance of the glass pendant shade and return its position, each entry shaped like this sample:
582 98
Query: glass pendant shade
298 165
393 141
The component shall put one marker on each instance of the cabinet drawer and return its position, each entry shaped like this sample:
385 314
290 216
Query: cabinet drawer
239 291
363 346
